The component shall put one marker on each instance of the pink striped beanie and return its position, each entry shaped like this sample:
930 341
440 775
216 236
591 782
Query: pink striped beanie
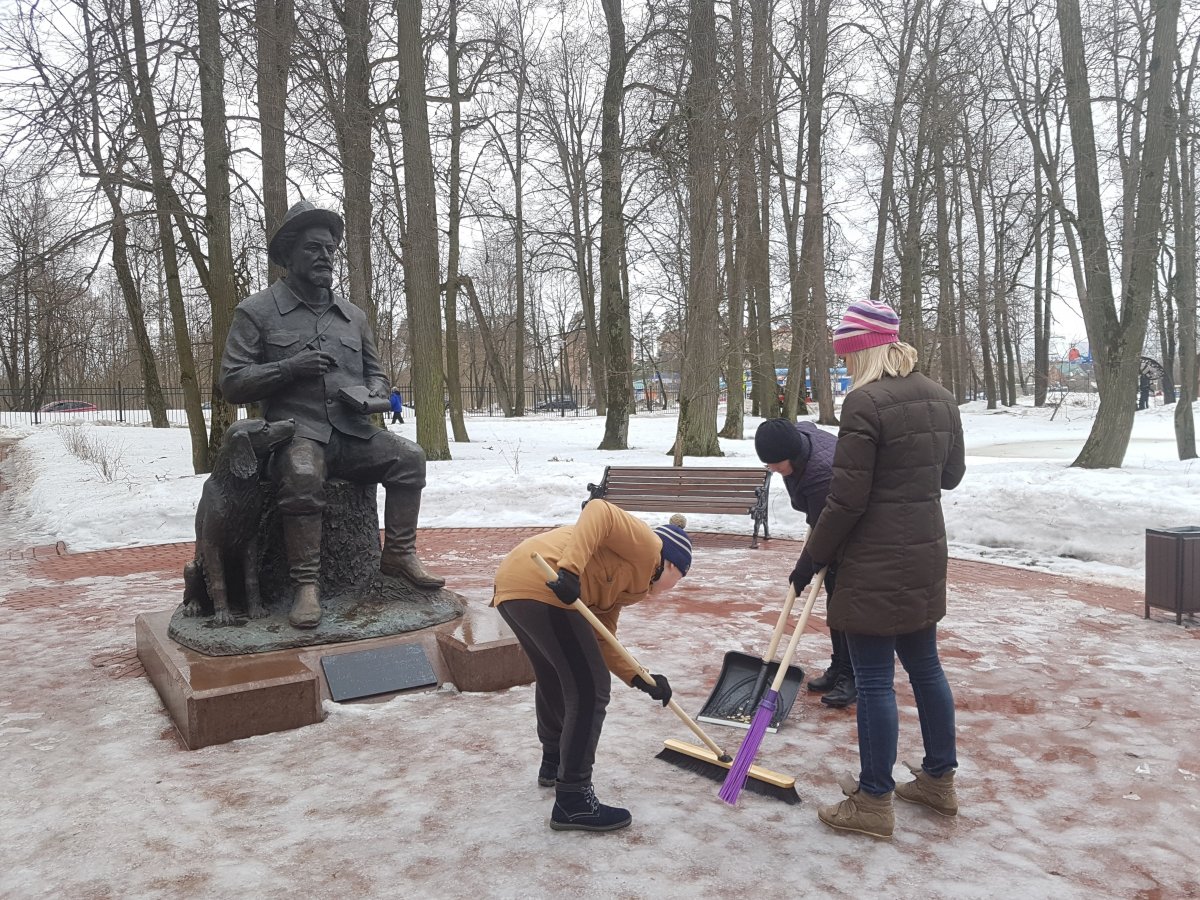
866 323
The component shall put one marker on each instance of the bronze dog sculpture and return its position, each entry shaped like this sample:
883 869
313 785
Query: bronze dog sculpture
227 521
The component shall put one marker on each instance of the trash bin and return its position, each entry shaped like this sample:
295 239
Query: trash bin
1173 570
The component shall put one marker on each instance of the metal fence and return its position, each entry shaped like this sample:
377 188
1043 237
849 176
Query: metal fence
127 405
113 404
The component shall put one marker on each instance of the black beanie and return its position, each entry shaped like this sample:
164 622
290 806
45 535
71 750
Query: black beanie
778 439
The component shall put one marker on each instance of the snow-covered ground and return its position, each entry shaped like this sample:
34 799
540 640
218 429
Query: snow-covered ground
1020 503
1077 743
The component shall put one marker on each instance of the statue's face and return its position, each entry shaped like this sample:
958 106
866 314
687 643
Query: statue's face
312 257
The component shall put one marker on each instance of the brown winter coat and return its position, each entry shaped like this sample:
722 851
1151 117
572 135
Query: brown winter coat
614 554
900 445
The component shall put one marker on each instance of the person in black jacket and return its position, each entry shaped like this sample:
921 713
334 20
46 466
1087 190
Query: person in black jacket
803 454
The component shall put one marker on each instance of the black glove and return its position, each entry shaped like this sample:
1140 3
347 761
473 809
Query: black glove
565 587
804 571
660 690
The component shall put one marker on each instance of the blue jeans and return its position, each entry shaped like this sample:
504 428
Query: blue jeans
878 724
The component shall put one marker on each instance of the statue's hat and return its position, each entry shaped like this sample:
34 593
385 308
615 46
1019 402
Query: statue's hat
301 215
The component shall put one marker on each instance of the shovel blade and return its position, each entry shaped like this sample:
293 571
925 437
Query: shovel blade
732 701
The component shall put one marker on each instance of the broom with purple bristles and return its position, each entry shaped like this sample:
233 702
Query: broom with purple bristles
738 772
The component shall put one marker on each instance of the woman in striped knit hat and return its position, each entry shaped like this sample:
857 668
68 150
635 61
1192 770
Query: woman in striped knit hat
900 445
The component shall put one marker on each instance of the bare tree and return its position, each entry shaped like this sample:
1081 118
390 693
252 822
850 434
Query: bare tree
65 115
275 28
698 384
421 244
222 285
615 339
455 100
909 17
1116 337
145 119
1183 202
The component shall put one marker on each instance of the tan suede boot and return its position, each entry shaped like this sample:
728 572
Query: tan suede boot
860 811
936 793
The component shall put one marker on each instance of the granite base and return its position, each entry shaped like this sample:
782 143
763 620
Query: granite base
216 699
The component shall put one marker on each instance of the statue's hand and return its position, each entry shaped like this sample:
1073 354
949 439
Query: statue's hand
310 363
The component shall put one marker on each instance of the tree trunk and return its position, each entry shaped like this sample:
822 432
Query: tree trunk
753 254
698 387
739 258
222 287
763 98
275 26
354 127
1183 198
735 392
518 172
1041 361
975 176
453 376
819 353
421 244
908 37
614 302
796 289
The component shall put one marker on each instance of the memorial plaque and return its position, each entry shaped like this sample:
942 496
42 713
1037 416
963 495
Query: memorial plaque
368 673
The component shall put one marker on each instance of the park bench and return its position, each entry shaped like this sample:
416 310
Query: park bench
721 491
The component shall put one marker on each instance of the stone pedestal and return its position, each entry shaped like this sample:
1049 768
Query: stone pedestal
213 700
216 699
482 654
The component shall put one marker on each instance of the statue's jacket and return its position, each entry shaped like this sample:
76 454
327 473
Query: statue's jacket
273 325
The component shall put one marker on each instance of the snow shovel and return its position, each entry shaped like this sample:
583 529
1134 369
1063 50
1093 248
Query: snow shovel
744 678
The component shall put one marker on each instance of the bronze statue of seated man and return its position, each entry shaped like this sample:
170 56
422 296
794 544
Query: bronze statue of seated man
292 348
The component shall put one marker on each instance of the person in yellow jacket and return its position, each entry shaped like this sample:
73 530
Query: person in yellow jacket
609 559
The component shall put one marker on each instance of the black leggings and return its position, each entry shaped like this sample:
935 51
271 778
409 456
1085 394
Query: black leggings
573 684
841 652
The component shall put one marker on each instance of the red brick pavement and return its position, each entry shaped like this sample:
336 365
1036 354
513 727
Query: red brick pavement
452 550
463 553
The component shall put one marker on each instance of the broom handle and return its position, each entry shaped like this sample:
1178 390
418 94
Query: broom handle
803 623
629 658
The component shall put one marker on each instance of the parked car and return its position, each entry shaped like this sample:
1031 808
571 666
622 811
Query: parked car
556 403
68 406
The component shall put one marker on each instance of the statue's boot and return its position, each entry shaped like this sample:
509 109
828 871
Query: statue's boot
400 512
302 536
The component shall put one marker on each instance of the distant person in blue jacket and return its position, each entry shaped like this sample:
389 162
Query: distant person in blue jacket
397 407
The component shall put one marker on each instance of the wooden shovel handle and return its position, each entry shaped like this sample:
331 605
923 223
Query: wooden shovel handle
783 615
800 626
629 658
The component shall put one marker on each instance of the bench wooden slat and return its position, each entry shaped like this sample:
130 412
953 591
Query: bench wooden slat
717 490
